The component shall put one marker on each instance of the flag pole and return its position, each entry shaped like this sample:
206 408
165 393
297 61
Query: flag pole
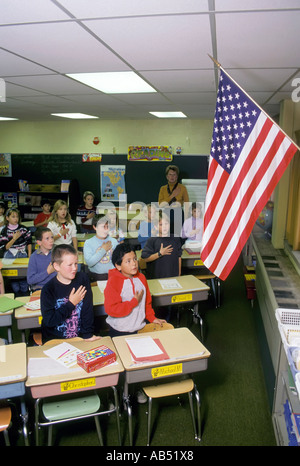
268 116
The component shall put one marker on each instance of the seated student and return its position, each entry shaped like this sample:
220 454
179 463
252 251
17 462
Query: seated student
148 227
192 228
127 299
15 240
163 253
40 268
66 300
85 213
98 250
62 225
41 220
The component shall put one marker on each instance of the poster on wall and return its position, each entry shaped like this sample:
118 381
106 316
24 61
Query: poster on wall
5 165
150 153
91 157
112 179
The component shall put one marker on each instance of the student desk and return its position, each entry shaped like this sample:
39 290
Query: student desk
81 239
26 318
15 268
194 264
186 356
13 373
6 318
73 381
191 290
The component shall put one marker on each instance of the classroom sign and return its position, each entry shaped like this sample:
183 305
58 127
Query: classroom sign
150 153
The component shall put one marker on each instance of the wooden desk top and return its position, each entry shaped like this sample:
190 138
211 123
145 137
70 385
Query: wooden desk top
180 344
76 373
13 363
189 283
22 312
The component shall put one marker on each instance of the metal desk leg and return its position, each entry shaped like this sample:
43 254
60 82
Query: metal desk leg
24 417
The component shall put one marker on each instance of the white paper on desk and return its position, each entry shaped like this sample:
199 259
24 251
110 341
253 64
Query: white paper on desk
101 285
33 305
143 347
170 284
7 261
64 353
39 367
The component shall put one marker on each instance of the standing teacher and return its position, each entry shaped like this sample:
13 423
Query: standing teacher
173 195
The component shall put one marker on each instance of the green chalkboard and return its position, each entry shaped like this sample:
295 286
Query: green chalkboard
143 179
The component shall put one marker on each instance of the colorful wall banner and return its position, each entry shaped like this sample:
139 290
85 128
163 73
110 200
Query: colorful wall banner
150 153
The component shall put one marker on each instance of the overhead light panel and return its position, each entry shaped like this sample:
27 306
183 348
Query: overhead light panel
169 114
121 82
7 119
75 116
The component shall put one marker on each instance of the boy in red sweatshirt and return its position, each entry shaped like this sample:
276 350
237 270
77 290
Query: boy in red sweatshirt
127 300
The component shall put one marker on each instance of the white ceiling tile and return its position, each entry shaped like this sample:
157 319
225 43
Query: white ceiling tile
260 79
63 47
148 43
272 43
236 5
167 42
53 84
12 65
179 80
105 9
25 11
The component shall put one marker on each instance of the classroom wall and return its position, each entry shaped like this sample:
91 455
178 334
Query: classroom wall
67 137
47 152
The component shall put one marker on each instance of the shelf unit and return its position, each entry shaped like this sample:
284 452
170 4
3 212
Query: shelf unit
29 201
277 286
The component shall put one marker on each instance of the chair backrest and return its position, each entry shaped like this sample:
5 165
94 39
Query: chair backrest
156 327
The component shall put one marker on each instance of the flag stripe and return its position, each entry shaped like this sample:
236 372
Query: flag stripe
220 195
248 157
251 221
249 203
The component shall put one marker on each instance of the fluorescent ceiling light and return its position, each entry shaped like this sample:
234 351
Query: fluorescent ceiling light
75 116
7 119
123 82
169 114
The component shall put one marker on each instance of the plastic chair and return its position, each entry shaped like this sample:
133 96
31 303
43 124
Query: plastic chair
59 410
180 386
156 327
56 410
177 388
5 421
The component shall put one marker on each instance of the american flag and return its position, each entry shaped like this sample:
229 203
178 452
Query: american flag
249 154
